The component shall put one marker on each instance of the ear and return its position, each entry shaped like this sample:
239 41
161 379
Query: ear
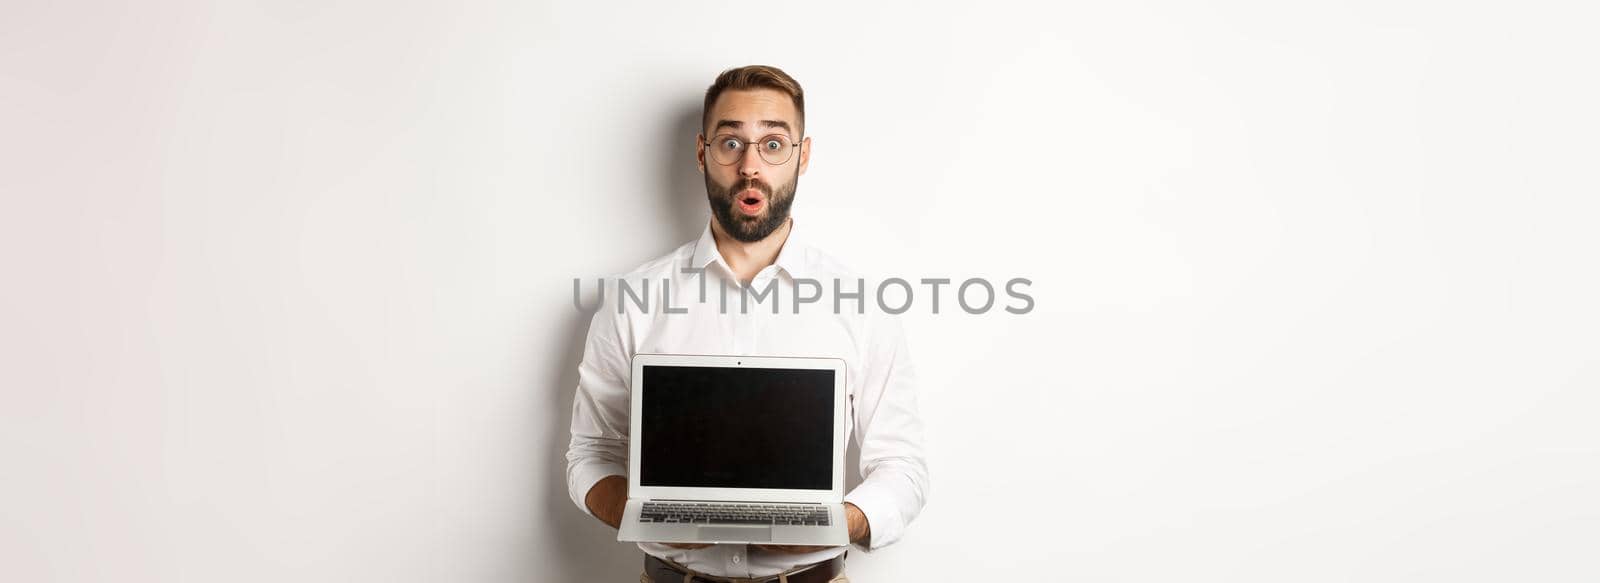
700 152
805 154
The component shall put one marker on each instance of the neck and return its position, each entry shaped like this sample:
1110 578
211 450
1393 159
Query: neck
746 259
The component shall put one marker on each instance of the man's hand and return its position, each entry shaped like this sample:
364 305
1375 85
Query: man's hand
608 499
860 533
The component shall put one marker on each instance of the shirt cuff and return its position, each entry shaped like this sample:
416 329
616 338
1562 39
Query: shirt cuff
581 479
883 517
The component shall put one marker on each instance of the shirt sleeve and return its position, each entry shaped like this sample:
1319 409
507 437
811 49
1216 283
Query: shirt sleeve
894 472
601 406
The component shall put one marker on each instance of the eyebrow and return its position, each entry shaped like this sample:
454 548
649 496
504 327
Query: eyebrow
771 123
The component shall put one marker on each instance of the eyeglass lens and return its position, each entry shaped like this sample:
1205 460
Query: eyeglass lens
727 149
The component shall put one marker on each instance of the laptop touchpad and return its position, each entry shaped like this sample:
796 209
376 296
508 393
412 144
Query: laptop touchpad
735 533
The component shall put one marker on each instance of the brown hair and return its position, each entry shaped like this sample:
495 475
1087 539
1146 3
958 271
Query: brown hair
755 77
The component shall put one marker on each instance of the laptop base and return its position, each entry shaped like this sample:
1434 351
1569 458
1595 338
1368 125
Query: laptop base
836 533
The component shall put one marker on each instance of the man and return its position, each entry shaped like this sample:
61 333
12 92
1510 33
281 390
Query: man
752 152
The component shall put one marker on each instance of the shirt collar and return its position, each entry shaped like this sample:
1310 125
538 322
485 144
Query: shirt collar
791 258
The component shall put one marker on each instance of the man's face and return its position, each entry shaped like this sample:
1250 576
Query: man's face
750 197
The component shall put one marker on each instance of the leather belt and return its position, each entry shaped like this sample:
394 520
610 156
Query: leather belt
662 571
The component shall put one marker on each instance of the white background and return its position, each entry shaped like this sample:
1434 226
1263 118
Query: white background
287 285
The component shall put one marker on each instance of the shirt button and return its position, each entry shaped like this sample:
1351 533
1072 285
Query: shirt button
736 559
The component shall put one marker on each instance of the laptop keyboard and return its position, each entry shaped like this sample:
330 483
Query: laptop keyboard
724 513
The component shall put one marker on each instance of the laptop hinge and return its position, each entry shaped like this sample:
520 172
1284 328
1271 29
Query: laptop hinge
728 501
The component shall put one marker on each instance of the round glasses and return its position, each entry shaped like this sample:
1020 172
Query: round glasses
727 148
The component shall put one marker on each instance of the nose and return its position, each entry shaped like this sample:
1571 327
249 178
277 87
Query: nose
750 162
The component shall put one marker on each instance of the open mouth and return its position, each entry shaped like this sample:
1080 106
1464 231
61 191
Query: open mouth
751 201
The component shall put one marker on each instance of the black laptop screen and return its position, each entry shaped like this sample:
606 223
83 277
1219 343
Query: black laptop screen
717 427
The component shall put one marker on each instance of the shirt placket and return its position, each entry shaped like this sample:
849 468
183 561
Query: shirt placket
744 326
756 321
738 563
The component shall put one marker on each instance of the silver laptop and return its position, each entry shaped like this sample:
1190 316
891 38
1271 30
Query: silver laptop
736 449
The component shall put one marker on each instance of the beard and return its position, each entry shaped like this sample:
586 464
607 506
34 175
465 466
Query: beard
744 228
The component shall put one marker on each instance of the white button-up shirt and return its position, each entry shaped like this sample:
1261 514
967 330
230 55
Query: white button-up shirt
705 310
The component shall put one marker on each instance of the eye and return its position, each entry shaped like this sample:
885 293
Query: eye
731 144
773 145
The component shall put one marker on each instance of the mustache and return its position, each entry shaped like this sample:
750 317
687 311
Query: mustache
750 183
